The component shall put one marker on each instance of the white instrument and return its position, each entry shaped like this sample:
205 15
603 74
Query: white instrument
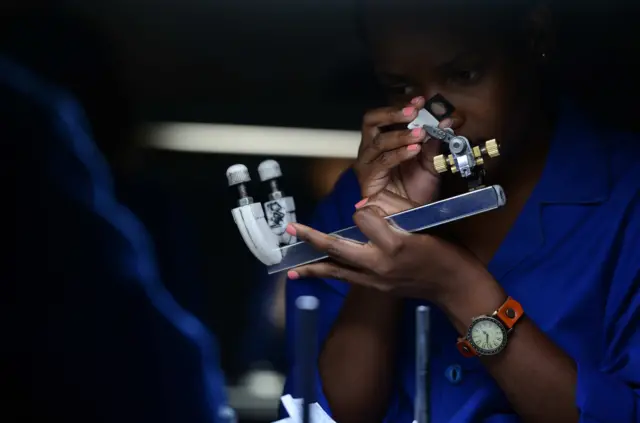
263 229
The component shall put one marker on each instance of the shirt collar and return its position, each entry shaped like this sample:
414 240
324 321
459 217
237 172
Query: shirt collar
578 163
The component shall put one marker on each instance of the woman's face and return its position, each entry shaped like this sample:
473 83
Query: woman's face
495 95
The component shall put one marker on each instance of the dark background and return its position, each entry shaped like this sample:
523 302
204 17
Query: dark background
299 63
269 62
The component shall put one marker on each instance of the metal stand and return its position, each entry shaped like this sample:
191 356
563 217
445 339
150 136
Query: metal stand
423 334
306 340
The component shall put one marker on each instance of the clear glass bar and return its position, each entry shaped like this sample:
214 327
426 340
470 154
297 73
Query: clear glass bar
414 220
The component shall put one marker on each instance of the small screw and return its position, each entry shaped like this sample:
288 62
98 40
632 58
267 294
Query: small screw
510 313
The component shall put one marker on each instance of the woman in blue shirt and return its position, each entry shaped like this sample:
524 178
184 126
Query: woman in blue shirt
566 248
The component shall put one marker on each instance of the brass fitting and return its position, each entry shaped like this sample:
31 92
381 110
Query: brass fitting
440 164
492 148
444 163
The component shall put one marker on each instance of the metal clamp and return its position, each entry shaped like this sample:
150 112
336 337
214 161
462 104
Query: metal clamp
464 158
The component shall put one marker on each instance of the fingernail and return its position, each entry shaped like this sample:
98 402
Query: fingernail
413 147
292 274
408 111
417 100
361 203
291 230
417 133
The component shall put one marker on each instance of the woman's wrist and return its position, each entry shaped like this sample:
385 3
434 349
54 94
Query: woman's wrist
471 293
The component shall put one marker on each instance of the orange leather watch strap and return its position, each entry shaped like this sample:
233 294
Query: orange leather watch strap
509 313
465 348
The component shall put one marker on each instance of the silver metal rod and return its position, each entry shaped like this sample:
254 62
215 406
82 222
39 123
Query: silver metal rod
414 220
306 340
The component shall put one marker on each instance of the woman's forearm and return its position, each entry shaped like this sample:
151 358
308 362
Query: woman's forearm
357 360
537 377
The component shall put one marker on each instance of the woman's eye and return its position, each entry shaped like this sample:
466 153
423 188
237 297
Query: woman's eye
402 90
466 76
409 90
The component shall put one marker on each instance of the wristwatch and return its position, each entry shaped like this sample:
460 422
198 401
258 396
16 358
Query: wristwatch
488 335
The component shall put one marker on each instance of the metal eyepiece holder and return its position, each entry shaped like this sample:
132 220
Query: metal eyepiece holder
306 343
464 159
423 336
459 147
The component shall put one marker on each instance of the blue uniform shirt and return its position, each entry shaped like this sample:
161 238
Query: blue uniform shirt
572 259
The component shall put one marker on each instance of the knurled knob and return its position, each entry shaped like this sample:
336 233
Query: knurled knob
269 169
238 174
440 164
492 148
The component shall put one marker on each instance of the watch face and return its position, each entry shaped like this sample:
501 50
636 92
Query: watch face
487 335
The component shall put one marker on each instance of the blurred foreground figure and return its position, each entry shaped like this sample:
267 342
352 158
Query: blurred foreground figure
90 332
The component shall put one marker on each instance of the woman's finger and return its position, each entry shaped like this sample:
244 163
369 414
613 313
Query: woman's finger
387 203
389 160
349 252
390 144
331 270
386 116
378 230
374 121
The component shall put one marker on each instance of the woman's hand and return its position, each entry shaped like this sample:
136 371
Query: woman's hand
394 261
398 160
